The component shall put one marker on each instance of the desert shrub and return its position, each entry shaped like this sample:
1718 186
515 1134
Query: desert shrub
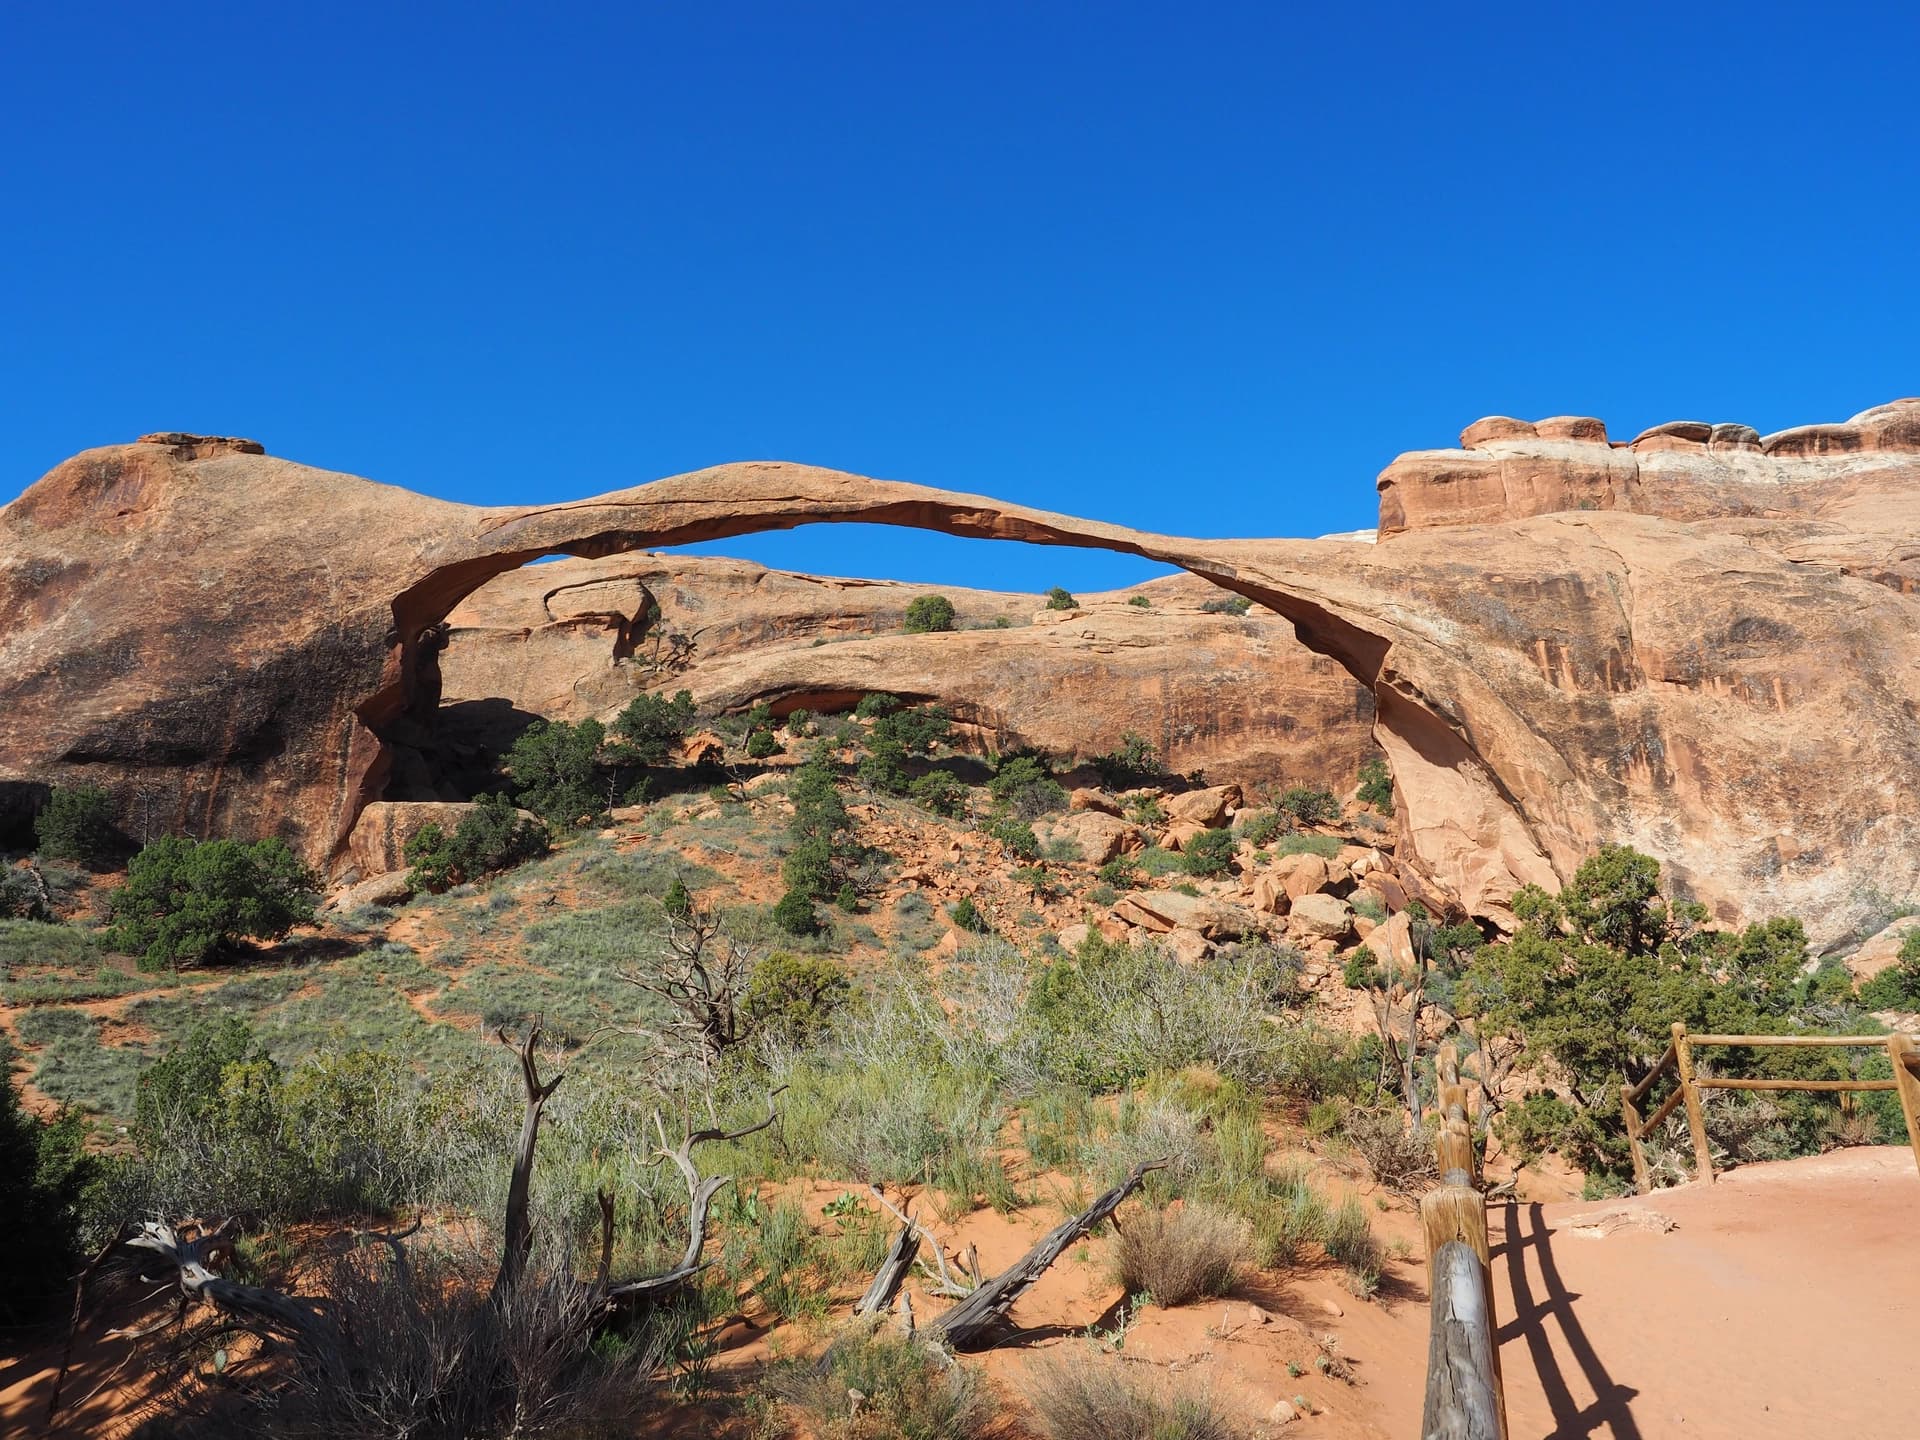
794 913
761 744
1208 853
77 824
800 722
1362 970
1102 894
905 1390
791 999
554 768
1121 872
1350 1243
1259 827
876 703
1228 605
44 1170
1179 1256
22 897
1307 806
1133 763
928 614
941 793
967 915
652 724
1325 846
1025 786
1400 1157
1369 904
1140 602
1017 836
1146 811
491 838
1078 1400
186 901
1898 986
1060 598
1376 785
1112 1013
884 766
1156 861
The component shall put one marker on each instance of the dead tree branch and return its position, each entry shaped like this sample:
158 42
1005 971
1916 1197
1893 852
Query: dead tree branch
970 1323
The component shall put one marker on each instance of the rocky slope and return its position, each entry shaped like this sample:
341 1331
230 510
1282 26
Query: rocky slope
1707 654
1237 696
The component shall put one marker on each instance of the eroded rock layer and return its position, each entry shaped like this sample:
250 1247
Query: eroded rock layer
1236 695
1709 655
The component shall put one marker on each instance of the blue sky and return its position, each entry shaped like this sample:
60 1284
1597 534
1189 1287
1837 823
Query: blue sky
1202 269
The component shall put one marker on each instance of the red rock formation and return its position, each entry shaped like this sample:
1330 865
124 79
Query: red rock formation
1714 663
1237 696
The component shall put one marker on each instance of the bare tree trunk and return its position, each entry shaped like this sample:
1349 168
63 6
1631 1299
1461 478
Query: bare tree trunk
517 1242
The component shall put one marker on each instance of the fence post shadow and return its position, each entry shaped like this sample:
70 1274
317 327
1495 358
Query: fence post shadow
1611 1407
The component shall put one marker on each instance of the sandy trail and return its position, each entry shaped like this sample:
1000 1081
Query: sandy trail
1784 1302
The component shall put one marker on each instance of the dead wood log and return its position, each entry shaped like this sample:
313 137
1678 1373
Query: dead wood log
969 1323
892 1273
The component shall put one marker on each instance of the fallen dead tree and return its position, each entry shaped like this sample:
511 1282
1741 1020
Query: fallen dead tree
395 1343
973 1321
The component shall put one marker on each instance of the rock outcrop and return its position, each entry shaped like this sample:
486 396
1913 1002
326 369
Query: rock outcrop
1726 681
1233 695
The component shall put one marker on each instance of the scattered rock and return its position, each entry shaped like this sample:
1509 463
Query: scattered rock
393 888
1162 911
1282 1413
1300 874
1326 916
1206 808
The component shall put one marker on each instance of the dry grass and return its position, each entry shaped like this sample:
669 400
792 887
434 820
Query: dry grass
1179 1256
1085 1401
882 1386
1400 1157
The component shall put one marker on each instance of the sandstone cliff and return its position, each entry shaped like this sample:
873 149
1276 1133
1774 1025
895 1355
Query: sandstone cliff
1238 696
1722 676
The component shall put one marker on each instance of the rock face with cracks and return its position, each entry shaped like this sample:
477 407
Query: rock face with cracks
1714 665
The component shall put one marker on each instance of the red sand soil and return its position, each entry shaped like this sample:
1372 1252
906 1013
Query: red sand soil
1782 1303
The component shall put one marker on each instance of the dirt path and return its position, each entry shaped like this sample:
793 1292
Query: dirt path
1784 1302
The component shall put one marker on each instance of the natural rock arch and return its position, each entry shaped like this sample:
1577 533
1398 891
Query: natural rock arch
231 636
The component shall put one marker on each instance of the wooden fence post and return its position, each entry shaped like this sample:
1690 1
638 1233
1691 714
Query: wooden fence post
1903 1053
1642 1184
1696 1115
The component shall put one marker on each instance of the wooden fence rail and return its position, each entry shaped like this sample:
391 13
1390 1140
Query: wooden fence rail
1902 1052
1465 1398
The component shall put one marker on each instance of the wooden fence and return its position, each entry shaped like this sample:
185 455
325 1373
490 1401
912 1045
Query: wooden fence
1465 1398
1901 1051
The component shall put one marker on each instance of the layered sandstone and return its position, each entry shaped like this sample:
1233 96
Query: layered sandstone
1234 695
1730 686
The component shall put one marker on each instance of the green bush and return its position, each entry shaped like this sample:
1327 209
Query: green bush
874 704
928 614
760 744
793 998
1229 605
1376 785
1121 872
1898 986
1024 784
77 824
884 766
555 769
1325 846
1133 763
940 792
1017 837
1059 598
1260 827
651 725
493 837
967 915
44 1169
186 901
1140 602
1208 853
1309 807
795 914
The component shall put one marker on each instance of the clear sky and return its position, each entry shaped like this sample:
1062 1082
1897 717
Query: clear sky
1194 268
